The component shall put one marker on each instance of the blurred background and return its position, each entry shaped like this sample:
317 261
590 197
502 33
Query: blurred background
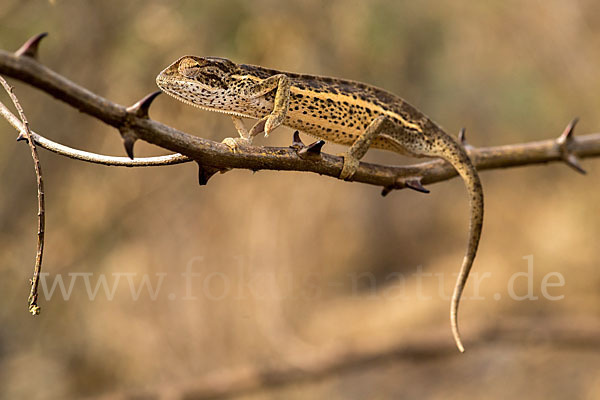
166 282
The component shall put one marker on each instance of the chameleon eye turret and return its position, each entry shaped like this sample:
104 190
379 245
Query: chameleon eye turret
189 67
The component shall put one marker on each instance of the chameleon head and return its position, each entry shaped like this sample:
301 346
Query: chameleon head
196 79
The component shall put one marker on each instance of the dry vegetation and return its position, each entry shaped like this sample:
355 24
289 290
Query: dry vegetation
293 266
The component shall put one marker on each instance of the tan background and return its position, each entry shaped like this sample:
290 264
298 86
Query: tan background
288 258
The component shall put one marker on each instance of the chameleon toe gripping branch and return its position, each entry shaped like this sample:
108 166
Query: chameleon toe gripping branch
340 111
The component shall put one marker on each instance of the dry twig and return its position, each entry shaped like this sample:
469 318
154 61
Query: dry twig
93 158
25 133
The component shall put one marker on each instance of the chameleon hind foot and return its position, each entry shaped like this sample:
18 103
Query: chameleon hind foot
350 166
361 145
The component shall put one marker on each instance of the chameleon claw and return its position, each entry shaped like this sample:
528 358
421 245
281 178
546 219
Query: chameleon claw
30 47
350 167
273 121
268 126
259 127
235 144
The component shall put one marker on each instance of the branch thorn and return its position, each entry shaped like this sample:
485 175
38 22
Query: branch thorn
297 142
565 141
415 184
206 172
128 142
313 149
411 183
462 136
129 139
21 136
568 132
140 109
30 47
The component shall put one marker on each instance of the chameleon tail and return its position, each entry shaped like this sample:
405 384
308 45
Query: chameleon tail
448 149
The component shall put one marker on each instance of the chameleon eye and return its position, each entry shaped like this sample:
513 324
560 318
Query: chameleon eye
189 67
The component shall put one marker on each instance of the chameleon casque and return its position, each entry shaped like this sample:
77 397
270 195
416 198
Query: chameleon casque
336 110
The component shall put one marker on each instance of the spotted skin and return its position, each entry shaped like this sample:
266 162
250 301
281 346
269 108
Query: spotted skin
336 110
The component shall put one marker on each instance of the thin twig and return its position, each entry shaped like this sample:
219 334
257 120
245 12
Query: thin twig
33 293
94 158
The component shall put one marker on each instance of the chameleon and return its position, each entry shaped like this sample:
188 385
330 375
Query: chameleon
341 111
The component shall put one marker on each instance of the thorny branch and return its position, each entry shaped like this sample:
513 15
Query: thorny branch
134 123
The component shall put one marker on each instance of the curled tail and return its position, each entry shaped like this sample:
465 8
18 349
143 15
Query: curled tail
449 149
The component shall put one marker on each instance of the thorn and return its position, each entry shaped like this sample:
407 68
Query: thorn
21 136
140 109
205 173
128 142
411 183
462 137
297 142
573 162
313 149
568 132
564 141
30 47
316 147
129 139
415 184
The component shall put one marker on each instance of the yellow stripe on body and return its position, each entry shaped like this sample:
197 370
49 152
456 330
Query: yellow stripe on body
341 97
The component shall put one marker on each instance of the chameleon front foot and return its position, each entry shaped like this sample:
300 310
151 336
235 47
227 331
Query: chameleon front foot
267 124
237 143
350 166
